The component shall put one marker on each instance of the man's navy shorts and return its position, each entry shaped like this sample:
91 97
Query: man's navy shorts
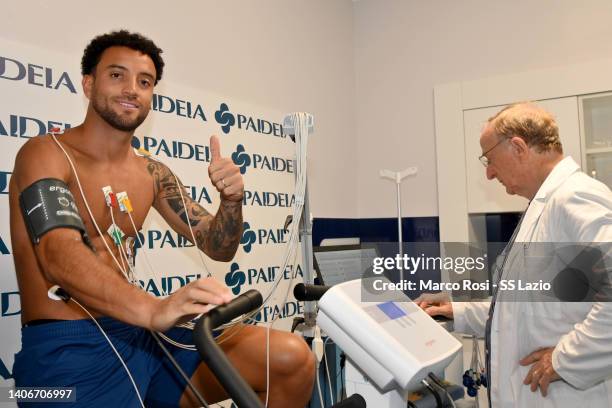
74 353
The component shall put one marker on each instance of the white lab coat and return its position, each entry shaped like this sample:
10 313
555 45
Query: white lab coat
569 207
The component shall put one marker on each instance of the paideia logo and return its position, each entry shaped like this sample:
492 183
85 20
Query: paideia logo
174 149
156 239
199 194
10 304
259 161
34 74
3 248
268 199
227 120
261 236
289 309
248 237
4 372
27 127
167 284
180 107
5 178
241 158
235 279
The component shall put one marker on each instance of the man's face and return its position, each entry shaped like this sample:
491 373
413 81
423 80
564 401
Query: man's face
502 163
121 87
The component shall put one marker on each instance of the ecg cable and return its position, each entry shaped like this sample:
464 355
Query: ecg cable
141 246
179 187
198 395
56 294
301 139
93 220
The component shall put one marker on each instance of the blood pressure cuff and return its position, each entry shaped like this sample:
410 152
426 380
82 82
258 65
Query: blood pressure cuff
47 204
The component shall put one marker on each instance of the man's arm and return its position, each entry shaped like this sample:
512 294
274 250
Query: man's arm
468 317
219 235
64 258
583 356
66 261
471 317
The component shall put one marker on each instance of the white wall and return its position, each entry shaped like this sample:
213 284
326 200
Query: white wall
405 47
284 54
366 68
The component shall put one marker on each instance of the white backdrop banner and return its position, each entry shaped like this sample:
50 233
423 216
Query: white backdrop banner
41 89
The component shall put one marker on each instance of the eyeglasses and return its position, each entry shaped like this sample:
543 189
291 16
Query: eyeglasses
484 159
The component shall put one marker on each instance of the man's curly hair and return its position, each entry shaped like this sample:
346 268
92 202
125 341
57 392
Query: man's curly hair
121 38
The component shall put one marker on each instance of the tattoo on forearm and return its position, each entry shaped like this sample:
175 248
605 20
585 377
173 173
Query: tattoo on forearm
227 228
166 188
219 236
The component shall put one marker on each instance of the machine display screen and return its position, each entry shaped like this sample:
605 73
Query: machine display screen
343 263
391 310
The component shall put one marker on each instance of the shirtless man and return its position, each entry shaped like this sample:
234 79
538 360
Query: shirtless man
61 346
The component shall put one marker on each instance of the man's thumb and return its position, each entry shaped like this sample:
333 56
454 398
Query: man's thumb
215 148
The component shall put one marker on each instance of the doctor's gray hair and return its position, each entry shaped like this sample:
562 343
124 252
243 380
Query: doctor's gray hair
536 126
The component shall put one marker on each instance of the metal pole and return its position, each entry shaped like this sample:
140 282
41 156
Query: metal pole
397 177
310 313
399 225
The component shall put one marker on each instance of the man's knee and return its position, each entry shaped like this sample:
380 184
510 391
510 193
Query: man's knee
292 356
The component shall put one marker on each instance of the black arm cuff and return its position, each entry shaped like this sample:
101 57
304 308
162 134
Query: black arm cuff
47 204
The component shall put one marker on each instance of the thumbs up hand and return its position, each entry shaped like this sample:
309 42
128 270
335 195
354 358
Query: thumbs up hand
224 174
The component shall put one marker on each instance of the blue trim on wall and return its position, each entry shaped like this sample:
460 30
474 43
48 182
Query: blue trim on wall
500 227
414 229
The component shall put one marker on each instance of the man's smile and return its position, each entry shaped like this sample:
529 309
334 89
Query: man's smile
128 105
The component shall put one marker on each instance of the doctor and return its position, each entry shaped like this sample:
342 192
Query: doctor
542 354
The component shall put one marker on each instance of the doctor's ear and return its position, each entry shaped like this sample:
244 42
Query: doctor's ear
519 145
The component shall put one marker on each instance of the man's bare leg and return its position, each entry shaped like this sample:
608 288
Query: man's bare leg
292 368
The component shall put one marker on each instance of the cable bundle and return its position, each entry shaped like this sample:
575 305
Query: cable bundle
300 121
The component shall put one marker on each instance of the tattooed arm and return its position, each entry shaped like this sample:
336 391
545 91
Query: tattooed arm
217 236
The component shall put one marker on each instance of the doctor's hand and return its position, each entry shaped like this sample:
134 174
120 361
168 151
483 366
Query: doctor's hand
542 372
224 174
435 304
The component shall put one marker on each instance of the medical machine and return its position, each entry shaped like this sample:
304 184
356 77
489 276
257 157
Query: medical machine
390 346
219 364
